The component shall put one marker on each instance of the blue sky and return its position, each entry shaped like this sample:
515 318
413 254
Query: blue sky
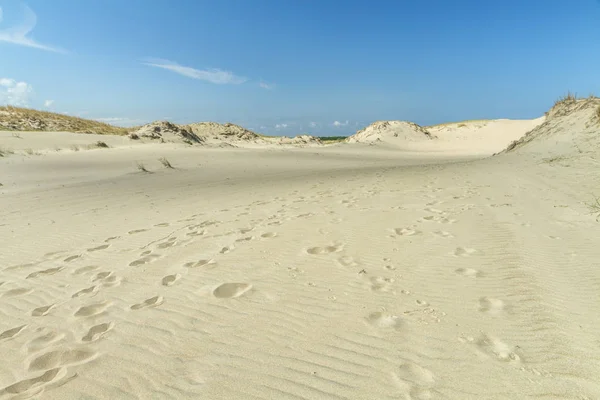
285 67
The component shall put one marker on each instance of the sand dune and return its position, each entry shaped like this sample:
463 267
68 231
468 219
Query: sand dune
339 272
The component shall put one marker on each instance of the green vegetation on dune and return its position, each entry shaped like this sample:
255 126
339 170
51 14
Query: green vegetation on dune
332 138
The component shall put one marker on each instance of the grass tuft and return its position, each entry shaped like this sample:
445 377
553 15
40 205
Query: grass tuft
595 207
166 163
142 167
5 152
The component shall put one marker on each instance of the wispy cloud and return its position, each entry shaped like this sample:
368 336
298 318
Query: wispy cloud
212 75
48 103
15 93
338 123
120 121
312 124
19 34
281 126
265 85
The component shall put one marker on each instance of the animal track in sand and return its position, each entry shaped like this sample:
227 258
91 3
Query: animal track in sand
86 291
406 232
92 310
384 320
17 292
96 331
169 280
231 290
464 251
133 232
469 272
49 271
324 250
151 302
83 270
11 333
144 260
102 247
199 263
42 311
491 305
72 258
38 382
58 358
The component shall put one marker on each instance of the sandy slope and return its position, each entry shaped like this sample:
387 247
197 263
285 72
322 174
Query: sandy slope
348 272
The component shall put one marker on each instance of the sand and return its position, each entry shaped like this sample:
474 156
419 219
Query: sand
341 272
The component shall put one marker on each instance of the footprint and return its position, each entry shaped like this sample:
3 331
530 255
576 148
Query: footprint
101 276
169 243
324 250
491 305
49 271
384 320
11 333
41 311
497 349
151 302
45 340
102 247
245 239
231 290
379 284
144 260
348 261
169 280
17 292
406 232
133 232
268 235
71 258
469 272
110 239
58 358
414 380
226 249
196 233
91 310
83 270
162 225
443 234
96 331
246 230
464 251
199 263
83 292
37 382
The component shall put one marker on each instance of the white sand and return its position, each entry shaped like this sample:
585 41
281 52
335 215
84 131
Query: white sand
345 272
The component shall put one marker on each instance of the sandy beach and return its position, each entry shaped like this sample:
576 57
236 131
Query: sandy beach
350 271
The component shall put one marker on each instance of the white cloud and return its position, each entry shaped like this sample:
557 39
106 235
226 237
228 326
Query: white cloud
0 14
15 93
19 34
111 119
267 86
120 121
48 103
313 124
212 75
338 123
281 126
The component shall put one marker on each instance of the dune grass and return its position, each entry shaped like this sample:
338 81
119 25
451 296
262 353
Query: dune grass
166 163
26 119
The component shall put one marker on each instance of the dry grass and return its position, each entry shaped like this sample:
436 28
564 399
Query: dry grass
5 152
598 114
595 207
166 163
141 167
25 119
568 98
